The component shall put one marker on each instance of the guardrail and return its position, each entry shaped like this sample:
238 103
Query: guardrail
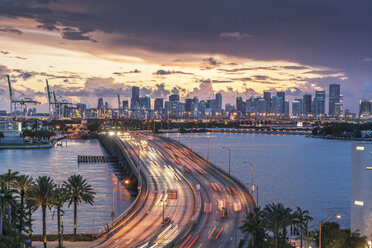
131 211
194 219
232 179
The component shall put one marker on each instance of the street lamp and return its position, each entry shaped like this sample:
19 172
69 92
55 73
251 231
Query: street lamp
245 162
338 216
225 147
253 187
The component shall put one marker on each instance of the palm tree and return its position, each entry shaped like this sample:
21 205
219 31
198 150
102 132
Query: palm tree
6 200
302 222
23 184
60 198
31 207
78 190
43 194
9 179
253 225
276 218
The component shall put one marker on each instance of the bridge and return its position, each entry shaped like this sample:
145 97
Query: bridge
184 200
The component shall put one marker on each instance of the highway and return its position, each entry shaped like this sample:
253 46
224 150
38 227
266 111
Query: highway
209 207
212 230
146 226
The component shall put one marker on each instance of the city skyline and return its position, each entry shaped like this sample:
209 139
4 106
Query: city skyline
84 58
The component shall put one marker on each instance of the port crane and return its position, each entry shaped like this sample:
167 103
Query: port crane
58 106
18 100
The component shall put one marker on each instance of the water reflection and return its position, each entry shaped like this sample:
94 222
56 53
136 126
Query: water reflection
59 163
297 171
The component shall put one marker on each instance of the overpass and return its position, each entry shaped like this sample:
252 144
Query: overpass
203 205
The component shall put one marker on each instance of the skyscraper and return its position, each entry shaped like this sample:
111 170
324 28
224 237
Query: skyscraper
189 105
174 98
100 103
319 103
281 103
158 105
296 107
218 102
306 104
240 104
334 100
365 109
134 101
125 104
286 107
145 102
267 98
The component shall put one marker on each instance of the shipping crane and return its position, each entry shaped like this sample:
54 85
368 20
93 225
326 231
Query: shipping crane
19 100
58 107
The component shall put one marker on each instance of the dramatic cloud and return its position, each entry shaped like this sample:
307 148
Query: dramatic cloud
235 35
9 29
156 34
164 72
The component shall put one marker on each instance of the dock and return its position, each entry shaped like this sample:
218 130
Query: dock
96 159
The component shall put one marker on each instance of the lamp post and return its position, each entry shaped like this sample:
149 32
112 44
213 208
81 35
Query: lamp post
225 147
251 164
321 224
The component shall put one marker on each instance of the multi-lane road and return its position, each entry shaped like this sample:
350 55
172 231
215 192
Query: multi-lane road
209 207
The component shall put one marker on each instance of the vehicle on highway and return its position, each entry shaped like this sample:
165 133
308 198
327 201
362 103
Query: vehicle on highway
166 221
224 212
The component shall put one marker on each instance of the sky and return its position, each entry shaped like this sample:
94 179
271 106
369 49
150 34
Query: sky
93 48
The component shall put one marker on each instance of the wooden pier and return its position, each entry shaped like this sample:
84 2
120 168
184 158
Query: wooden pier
96 159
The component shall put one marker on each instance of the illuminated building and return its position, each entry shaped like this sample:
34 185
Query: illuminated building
361 189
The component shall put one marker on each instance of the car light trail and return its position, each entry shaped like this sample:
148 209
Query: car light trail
211 233
219 233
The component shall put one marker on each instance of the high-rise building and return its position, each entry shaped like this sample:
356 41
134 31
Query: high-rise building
240 104
174 98
334 100
365 109
319 103
267 98
145 102
125 104
100 103
189 105
134 101
361 189
281 103
218 102
306 104
81 106
286 107
275 104
158 105
259 105
297 107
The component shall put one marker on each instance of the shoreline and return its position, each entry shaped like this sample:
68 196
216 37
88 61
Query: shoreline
32 146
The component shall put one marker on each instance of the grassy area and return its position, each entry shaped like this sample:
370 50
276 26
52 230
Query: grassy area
67 237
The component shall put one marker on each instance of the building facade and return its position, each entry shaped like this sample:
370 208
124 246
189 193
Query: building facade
361 189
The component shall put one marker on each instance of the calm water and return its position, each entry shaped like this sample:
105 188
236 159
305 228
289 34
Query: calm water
313 174
59 163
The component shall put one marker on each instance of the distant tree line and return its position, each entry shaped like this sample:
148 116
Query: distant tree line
268 228
342 130
21 196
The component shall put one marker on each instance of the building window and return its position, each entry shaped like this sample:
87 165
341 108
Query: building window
359 203
360 148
